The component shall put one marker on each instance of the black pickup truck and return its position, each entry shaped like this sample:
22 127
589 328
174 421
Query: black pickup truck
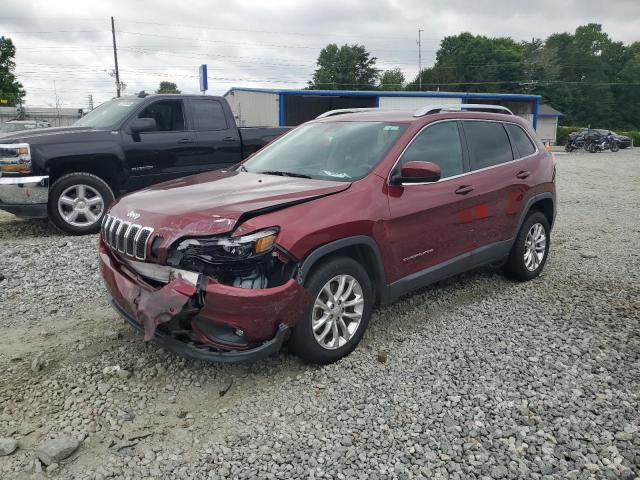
72 174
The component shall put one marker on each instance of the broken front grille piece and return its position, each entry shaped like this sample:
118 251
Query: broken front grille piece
126 237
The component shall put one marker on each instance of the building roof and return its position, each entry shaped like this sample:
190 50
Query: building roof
381 93
547 110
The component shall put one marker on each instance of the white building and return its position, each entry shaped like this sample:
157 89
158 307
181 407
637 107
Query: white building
255 107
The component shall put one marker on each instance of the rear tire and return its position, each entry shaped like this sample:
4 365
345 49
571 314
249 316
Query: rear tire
614 147
335 322
78 201
530 250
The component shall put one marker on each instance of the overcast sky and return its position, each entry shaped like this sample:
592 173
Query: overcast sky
64 46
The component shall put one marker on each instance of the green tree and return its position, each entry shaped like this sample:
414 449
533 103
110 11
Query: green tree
474 63
349 67
392 80
168 87
11 91
588 64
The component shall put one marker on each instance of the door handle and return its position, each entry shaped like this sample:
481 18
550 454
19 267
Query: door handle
229 139
185 140
522 174
464 189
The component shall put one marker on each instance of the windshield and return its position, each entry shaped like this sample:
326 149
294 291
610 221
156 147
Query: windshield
109 114
13 127
343 151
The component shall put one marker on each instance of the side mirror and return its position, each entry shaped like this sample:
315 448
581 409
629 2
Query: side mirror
143 125
417 172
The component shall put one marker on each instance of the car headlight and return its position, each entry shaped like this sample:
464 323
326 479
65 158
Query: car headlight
15 158
226 248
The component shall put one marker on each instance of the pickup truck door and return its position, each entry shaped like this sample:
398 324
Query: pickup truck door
218 140
165 153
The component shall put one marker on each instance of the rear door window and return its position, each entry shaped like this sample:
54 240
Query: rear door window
209 115
521 141
439 144
488 144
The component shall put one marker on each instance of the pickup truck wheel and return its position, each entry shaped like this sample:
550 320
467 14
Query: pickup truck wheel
78 201
530 250
336 320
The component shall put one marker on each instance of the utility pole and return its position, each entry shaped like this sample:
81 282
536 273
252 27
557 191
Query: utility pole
419 59
55 92
115 57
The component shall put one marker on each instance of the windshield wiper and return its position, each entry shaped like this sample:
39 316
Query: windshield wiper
285 174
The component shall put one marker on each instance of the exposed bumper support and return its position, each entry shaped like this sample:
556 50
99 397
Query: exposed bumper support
207 354
24 196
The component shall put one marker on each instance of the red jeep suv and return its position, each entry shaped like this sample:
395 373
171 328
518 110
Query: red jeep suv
302 240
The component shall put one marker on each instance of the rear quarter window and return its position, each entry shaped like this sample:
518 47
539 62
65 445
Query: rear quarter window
488 144
521 141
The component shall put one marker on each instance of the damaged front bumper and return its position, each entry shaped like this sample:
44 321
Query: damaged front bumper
191 350
205 320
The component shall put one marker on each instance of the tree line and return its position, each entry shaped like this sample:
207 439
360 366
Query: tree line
590 78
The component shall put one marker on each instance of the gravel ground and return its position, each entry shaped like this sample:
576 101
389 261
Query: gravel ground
474 378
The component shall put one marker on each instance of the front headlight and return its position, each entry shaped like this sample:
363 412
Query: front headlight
15 158
224 249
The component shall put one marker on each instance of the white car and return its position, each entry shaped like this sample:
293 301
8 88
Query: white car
17 125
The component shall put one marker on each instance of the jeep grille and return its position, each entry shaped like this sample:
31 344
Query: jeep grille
126 237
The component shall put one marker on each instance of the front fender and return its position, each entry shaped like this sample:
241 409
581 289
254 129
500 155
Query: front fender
50 154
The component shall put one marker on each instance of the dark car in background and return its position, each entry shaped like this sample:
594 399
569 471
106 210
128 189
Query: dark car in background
72 174
587 135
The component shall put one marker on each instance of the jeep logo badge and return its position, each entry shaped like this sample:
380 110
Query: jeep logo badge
133 215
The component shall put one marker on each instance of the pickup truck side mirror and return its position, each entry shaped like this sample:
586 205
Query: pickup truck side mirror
417 172
143 125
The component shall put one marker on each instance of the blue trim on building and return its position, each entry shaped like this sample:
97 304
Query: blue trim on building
373 93
281 110
536 107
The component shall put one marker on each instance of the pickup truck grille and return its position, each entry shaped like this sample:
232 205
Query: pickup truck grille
126 237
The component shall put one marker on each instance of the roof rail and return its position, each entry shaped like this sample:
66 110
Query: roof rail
477 107
342 111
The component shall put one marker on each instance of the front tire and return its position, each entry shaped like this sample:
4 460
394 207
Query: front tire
615 147
530 250
338 316
78 201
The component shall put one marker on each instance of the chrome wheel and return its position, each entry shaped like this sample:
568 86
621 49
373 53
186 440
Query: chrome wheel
337 312
81 205
535 245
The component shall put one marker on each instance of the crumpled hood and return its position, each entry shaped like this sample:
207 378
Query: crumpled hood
211 203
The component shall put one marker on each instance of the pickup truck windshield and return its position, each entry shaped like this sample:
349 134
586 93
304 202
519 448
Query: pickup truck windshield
343 151
109 114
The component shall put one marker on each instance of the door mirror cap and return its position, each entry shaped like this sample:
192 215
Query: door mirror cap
143 125
418 172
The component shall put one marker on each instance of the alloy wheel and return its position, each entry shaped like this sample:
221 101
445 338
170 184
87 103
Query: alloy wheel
80 205
337 312
535 245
